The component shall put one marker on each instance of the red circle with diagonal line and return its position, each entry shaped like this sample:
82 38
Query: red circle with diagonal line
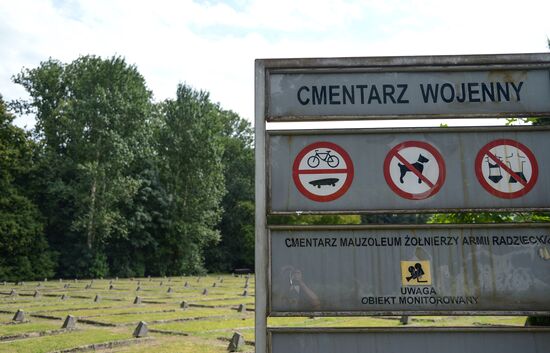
322 171
506 168
414 170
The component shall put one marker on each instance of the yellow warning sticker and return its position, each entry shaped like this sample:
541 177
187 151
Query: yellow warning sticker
416 273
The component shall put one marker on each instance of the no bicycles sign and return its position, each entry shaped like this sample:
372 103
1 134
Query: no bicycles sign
322 171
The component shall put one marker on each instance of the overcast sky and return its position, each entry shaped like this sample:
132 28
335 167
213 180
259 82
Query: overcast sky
211 45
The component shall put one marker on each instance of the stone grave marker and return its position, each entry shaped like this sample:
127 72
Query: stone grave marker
19 316
69 323
141 330
236 343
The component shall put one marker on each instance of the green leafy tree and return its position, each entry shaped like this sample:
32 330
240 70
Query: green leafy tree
91 118
236 248
24 252
190 150
145 215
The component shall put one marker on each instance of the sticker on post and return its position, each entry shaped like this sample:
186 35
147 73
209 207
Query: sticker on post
414 170
416 273
506 168
322 171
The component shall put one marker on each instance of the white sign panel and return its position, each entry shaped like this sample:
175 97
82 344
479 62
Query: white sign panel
409 94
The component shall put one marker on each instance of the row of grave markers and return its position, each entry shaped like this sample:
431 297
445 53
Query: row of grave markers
402 269
236 343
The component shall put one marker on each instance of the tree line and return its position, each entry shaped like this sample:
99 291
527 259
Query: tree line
111 183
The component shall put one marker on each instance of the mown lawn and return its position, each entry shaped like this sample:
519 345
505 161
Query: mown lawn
204 327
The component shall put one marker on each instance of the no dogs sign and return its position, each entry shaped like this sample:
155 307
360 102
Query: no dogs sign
414 170
322 171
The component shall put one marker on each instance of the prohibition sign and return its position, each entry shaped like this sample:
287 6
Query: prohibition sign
414 170
322 171
506 168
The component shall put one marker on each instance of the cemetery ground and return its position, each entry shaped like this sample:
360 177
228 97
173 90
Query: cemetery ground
183 314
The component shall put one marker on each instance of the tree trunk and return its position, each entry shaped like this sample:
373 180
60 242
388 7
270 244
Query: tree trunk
90 232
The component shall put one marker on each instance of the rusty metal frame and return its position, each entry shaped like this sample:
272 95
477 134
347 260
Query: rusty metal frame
273 313
444 63
431 130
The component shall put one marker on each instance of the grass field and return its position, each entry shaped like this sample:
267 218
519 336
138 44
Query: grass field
204 327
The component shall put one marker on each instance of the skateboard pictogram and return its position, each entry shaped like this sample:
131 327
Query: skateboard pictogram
322 171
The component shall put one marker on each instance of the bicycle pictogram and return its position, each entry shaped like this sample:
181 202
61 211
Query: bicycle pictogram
322 171
330 159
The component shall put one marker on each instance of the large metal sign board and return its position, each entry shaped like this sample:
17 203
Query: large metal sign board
409 87
434 169
410 340
426 269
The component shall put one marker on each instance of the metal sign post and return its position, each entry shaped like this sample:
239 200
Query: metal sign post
261 244
462 269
